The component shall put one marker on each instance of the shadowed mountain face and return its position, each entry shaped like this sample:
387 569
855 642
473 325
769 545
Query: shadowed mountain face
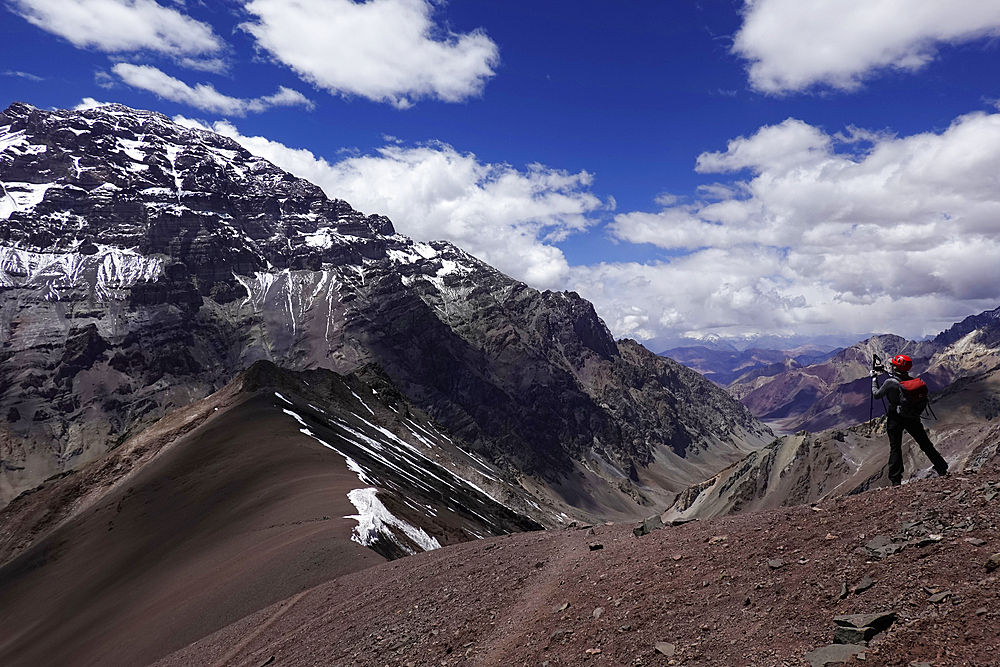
268 487
143 265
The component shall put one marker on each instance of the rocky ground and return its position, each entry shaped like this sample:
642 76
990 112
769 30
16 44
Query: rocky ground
744 590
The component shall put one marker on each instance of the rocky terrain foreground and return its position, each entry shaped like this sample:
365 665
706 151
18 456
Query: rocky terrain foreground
754 589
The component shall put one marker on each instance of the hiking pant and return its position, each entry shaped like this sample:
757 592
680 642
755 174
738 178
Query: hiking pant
894 426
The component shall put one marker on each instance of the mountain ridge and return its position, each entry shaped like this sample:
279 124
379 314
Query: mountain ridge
757 589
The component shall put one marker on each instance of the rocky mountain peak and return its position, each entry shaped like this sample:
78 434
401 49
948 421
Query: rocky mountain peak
118 178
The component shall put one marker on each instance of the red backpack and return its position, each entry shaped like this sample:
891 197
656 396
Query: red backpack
912 397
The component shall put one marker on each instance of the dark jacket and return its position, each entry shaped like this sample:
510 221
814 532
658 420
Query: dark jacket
890 389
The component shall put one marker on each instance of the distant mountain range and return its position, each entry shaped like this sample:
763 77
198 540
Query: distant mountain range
821 343
806 389
725 366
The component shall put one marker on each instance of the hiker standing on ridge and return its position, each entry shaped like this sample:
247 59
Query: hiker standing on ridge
903 416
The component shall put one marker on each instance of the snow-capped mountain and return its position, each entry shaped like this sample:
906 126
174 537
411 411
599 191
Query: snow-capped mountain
143 264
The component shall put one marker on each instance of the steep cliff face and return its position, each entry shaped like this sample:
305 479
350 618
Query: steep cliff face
143 265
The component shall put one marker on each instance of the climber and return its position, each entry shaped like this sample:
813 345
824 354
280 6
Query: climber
907 400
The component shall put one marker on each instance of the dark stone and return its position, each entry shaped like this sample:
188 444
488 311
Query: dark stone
928 540
878 542
864 584
861 628
842 635
834 654
939 597
648 525
880 621
681 522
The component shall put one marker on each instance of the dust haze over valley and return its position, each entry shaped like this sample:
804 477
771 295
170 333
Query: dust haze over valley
246 424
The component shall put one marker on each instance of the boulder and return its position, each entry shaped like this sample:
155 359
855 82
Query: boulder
648 525
666 649
993 562
861 628
834 654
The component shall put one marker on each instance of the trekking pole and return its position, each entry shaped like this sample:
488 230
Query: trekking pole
871 403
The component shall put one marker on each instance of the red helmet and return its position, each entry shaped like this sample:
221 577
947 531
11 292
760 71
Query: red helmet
902 362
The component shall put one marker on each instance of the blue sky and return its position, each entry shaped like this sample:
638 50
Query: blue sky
811 167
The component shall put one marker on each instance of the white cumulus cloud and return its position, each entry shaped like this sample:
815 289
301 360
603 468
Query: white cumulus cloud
204 96
117 26
508 217
89 103
792 45
814 233
384 50
863 232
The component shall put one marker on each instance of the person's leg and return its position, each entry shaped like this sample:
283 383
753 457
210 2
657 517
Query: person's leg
894 429
916 429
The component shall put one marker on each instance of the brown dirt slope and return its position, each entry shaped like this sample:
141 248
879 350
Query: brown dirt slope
227 506
758 589
241 512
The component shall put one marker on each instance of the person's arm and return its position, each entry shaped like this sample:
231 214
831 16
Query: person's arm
884 390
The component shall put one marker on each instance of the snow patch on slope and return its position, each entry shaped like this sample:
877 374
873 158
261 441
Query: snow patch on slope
374 521
106 270
21 197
